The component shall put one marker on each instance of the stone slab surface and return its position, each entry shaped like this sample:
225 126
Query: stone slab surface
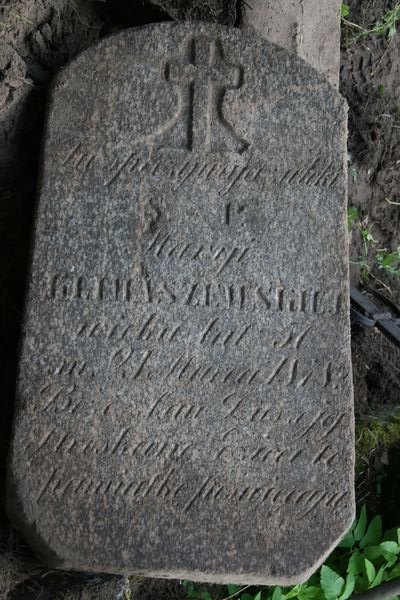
184 395
309 28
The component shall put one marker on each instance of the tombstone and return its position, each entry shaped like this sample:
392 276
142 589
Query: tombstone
184 396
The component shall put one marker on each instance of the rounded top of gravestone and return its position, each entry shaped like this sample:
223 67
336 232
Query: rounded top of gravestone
260 86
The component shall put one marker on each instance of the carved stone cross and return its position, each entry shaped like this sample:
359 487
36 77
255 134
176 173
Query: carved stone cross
203 76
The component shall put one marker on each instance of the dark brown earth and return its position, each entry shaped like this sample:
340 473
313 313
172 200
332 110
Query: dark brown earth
36 39
370 81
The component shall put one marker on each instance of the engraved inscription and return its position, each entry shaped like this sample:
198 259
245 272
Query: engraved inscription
111 165
164 485
194 293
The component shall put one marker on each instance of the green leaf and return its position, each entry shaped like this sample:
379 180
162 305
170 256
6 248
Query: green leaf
332 584
206 596
395 572
390 558
349 587
373 552
277 595
293 593
233 588
356 564
347 541
391 547
390 261
370 570
345 10
379 576
258 597
310 593
368 237
374 533
398 535
381 89
361 526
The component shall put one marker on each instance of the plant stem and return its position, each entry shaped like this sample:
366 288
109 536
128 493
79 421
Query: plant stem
237 593
346 22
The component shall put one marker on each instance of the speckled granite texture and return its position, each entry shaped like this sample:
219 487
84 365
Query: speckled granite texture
184 398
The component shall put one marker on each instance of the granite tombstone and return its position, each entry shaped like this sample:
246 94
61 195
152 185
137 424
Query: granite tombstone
184 397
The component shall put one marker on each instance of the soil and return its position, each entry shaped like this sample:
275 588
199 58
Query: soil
37 37
370 81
